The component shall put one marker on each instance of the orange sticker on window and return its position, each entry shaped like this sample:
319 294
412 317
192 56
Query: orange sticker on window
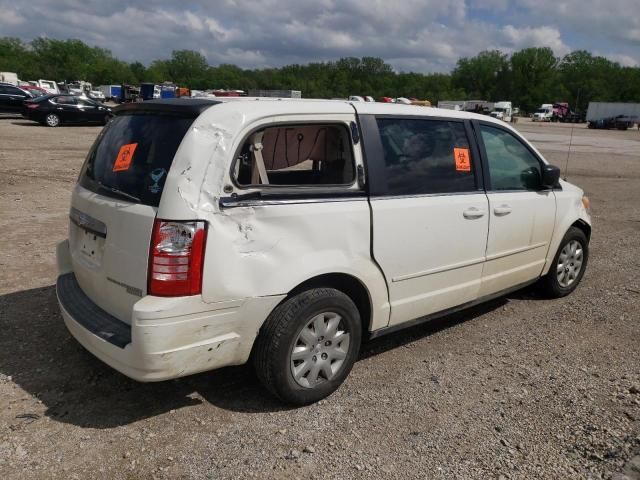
125 155
463 162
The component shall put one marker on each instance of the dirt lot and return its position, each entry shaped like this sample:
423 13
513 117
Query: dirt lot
519 388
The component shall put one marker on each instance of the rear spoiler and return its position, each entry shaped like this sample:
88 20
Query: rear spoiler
183 107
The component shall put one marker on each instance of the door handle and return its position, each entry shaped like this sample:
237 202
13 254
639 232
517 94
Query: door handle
502 210
473 212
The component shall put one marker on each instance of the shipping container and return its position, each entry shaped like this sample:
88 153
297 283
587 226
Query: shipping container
111 92
602 110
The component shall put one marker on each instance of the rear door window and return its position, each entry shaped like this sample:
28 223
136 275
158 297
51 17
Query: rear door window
426 156
132 157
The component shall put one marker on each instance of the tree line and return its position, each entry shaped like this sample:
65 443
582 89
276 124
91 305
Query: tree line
528 77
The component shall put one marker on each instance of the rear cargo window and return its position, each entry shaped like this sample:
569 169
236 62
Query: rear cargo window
296 155
132 157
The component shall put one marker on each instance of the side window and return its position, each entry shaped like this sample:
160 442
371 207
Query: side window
66 100
297 155
426 156
511 165
13 91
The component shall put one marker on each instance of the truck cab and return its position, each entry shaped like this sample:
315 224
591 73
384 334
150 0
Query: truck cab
544 113
502 111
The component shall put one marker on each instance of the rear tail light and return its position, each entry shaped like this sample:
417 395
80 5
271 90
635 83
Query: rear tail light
176 258
33 105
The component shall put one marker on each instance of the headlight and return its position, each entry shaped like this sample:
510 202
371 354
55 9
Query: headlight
586 203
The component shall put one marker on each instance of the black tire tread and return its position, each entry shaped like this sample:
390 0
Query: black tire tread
275 328
549 282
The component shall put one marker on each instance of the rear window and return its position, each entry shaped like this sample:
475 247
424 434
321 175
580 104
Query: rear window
132 157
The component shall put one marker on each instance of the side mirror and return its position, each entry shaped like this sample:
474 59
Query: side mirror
550 176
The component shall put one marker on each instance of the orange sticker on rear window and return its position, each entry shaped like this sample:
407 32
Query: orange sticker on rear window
463 161
125 155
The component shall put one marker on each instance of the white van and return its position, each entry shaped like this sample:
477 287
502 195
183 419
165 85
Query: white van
207 233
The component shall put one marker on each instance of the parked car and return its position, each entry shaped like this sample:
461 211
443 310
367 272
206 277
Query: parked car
620 122
54 110
12 98
34 91
207 233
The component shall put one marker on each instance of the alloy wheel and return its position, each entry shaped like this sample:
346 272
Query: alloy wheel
569 263
319 350
53 120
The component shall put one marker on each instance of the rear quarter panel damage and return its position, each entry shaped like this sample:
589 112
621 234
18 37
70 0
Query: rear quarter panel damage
265 250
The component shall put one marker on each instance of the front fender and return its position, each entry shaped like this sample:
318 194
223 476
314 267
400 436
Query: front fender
569 209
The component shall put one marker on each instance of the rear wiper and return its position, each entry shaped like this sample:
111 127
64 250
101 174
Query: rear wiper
117 191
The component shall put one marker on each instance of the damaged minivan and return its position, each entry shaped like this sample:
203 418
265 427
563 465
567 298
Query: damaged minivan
209 233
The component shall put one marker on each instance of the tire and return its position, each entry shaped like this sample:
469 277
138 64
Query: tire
52 120
318 350
106 119
554 283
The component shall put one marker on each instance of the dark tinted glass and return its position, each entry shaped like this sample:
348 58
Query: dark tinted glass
511 165
133 155
12 91
86 102
426 156
65 100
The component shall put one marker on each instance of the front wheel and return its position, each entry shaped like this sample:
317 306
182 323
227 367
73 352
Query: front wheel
569 264
308 345
52 120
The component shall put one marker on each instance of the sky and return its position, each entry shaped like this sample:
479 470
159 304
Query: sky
411 35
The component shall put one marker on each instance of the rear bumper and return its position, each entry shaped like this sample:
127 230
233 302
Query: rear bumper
168 337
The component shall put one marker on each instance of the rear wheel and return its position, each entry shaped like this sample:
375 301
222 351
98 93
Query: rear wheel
569 264
52 120
308 345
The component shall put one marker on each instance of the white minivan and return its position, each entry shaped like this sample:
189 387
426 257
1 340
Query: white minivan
206 233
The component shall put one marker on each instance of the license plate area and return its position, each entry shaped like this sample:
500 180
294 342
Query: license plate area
91 247
88 239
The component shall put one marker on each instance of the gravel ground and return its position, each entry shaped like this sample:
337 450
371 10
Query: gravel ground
519 388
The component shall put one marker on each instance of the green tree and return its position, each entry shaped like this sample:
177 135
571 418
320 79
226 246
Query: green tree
188 68
532 77
483 76
528 77
591 78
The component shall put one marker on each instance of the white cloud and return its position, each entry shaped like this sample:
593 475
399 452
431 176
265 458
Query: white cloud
544 36
416 35
624 60
11 17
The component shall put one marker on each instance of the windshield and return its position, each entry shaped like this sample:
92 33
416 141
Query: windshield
542 110
132 156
